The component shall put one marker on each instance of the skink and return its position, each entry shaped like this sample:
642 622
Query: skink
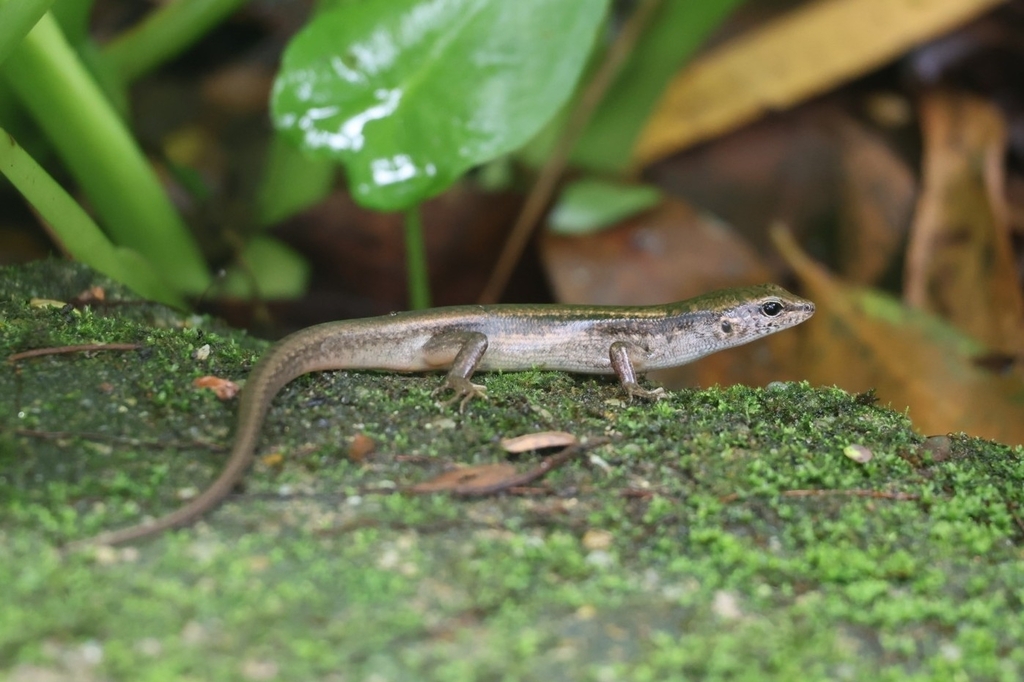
620 340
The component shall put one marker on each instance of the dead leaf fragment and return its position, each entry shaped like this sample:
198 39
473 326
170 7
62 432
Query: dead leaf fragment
273 460
222 388
489 479
467 480
538 441
95 294
595 539
803 53
858 453
360 446
46 303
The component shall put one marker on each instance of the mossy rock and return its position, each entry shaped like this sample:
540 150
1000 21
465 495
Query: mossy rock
718 534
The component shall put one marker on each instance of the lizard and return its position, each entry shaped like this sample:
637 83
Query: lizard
622 340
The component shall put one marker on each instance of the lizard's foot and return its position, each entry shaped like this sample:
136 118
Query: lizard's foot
464 389
635 390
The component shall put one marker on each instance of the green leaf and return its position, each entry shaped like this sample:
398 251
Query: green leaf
409 94
590 205
675 32
292 181
278 270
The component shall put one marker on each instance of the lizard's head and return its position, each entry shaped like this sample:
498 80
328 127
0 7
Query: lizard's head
745 314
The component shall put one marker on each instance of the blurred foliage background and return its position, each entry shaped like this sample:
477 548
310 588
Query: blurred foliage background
280 164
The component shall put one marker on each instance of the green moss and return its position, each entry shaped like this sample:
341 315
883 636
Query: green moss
742 542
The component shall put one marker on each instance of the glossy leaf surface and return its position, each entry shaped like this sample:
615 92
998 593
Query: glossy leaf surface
409 94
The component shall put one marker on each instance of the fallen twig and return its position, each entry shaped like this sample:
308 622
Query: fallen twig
82 348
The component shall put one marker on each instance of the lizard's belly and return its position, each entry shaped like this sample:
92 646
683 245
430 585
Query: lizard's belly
578 355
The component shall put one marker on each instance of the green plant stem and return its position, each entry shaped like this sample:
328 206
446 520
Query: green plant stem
17 17
92 140
74 230
416 260
550 173
73 18
165 33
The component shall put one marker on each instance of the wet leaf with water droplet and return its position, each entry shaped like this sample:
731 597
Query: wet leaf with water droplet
410 94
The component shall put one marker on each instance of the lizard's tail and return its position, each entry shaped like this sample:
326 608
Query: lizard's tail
272 372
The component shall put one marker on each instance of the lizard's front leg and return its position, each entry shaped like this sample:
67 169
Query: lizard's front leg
471 347
622 363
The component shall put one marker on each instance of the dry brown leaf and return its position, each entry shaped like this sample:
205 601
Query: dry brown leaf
804 53
465 480
1015 203
785 168
360 446
859 339
538 441
878 192
94 294
666 254
222 388
960 262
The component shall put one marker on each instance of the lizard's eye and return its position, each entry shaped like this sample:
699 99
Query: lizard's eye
771 308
